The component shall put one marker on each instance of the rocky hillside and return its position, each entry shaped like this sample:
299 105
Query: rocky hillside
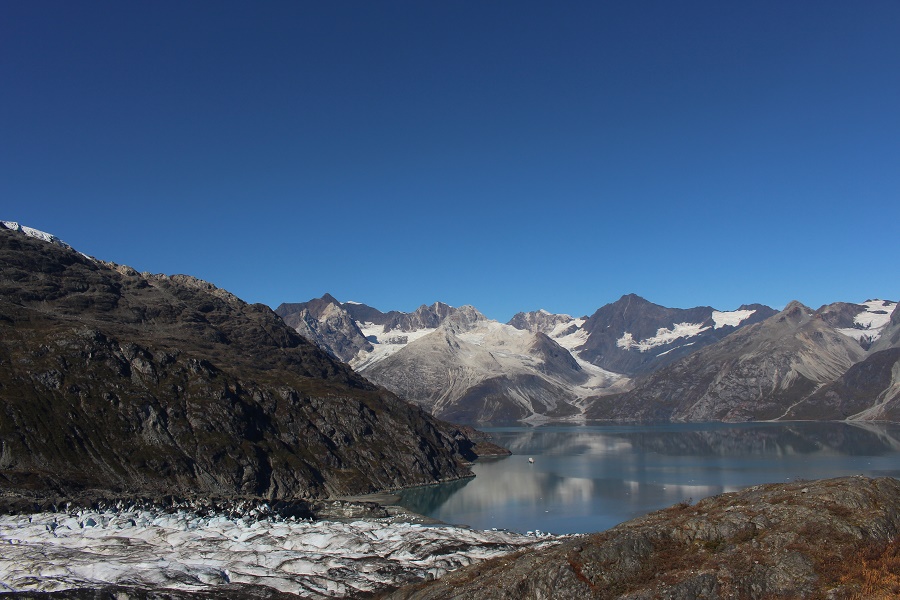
798 364
129 383
869 390
833 539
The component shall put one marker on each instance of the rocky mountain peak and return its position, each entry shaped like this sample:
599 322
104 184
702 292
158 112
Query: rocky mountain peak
796 313
538 321
325 322
463 318
424 317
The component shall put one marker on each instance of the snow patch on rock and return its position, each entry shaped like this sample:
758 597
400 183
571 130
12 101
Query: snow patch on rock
663 336
730 318
869 323
384 343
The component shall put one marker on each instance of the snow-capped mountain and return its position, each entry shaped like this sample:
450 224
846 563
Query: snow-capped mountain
462 366
889 336
633 336
798 364
686 364
862 322
483 371
455 362
870 389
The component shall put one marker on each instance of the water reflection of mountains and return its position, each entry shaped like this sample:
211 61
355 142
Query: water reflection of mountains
850 439
426 498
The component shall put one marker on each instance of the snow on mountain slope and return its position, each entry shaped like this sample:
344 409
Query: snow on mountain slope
479 370
564 329
664 336
460 365
633 336
765 371
731 318
35 233
870 321
384 344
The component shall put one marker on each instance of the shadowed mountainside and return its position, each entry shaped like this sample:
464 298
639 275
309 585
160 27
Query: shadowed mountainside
117 382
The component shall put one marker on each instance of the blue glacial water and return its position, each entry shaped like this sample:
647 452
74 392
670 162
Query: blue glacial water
592 477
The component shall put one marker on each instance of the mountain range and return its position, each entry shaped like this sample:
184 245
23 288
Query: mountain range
630 360
115 382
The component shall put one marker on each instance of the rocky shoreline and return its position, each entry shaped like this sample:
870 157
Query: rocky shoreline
829 539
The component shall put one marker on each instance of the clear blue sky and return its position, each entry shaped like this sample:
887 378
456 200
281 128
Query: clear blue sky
510 155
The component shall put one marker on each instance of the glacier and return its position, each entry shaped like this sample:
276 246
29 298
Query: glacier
185 550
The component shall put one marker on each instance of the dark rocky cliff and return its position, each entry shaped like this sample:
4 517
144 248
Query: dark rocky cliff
117 382
827 539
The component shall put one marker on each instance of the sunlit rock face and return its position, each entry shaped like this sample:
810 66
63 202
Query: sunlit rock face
326 323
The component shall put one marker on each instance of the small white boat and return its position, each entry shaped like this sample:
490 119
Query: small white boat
530 460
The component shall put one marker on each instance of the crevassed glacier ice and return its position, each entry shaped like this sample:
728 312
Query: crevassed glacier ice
186 551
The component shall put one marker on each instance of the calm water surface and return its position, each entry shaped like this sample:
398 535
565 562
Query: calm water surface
590 478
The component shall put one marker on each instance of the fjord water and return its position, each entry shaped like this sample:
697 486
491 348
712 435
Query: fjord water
590 478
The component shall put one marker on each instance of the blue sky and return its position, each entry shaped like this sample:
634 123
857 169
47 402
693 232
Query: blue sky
510 155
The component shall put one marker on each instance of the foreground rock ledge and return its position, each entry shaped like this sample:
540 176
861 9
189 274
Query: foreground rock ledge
826 539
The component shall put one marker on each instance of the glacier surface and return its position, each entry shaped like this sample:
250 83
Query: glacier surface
187 551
